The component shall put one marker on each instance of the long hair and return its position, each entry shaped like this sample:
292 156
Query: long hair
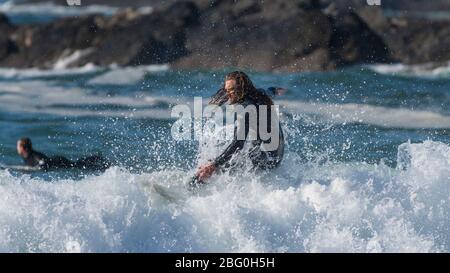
220 97
244 89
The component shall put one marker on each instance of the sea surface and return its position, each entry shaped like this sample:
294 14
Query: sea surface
366 168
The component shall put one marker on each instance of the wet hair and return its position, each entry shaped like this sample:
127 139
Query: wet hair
220 97
244 89
25 142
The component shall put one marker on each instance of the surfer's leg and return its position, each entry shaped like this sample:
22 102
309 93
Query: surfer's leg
60 162
95 162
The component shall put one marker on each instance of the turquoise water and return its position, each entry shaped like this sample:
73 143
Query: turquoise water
366 169
104 111
367 164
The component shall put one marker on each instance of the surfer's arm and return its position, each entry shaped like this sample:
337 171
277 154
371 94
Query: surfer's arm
41 161
228 153
207 170
236 145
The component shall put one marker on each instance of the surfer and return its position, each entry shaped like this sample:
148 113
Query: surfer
36 159
239 90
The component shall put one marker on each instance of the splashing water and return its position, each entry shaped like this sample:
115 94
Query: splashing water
349 182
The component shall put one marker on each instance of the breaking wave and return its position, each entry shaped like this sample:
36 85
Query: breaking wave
334 207
430 70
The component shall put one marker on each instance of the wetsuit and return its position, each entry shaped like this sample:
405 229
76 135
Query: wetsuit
37 159
260 158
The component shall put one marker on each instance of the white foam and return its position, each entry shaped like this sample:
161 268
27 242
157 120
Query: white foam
336 207
127 75
429 70
46 98
31 73
114 74
67 59
41 96
368 114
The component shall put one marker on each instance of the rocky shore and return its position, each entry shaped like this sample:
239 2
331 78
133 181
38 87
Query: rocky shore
265 36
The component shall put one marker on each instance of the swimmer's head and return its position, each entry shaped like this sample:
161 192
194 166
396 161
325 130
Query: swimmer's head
24 146
239 86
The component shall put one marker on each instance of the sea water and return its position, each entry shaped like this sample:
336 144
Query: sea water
366 167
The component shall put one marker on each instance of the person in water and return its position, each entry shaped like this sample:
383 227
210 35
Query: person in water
239 89
36 159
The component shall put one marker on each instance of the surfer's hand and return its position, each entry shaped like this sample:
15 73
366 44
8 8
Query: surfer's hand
206 171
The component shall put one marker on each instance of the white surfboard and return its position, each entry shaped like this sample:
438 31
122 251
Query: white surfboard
167 193
166 186
20 168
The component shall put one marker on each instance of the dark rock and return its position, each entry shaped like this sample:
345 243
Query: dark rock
42 45
5 25
182 13
259 40
297 35
410 40
152 39
354 42
4 20
127 38
318 60
7 46
416 41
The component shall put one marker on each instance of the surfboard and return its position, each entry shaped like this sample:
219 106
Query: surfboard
168 187
166 193
192 186
19 168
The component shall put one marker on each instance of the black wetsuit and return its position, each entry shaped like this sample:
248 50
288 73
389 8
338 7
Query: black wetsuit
259 158
37 159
